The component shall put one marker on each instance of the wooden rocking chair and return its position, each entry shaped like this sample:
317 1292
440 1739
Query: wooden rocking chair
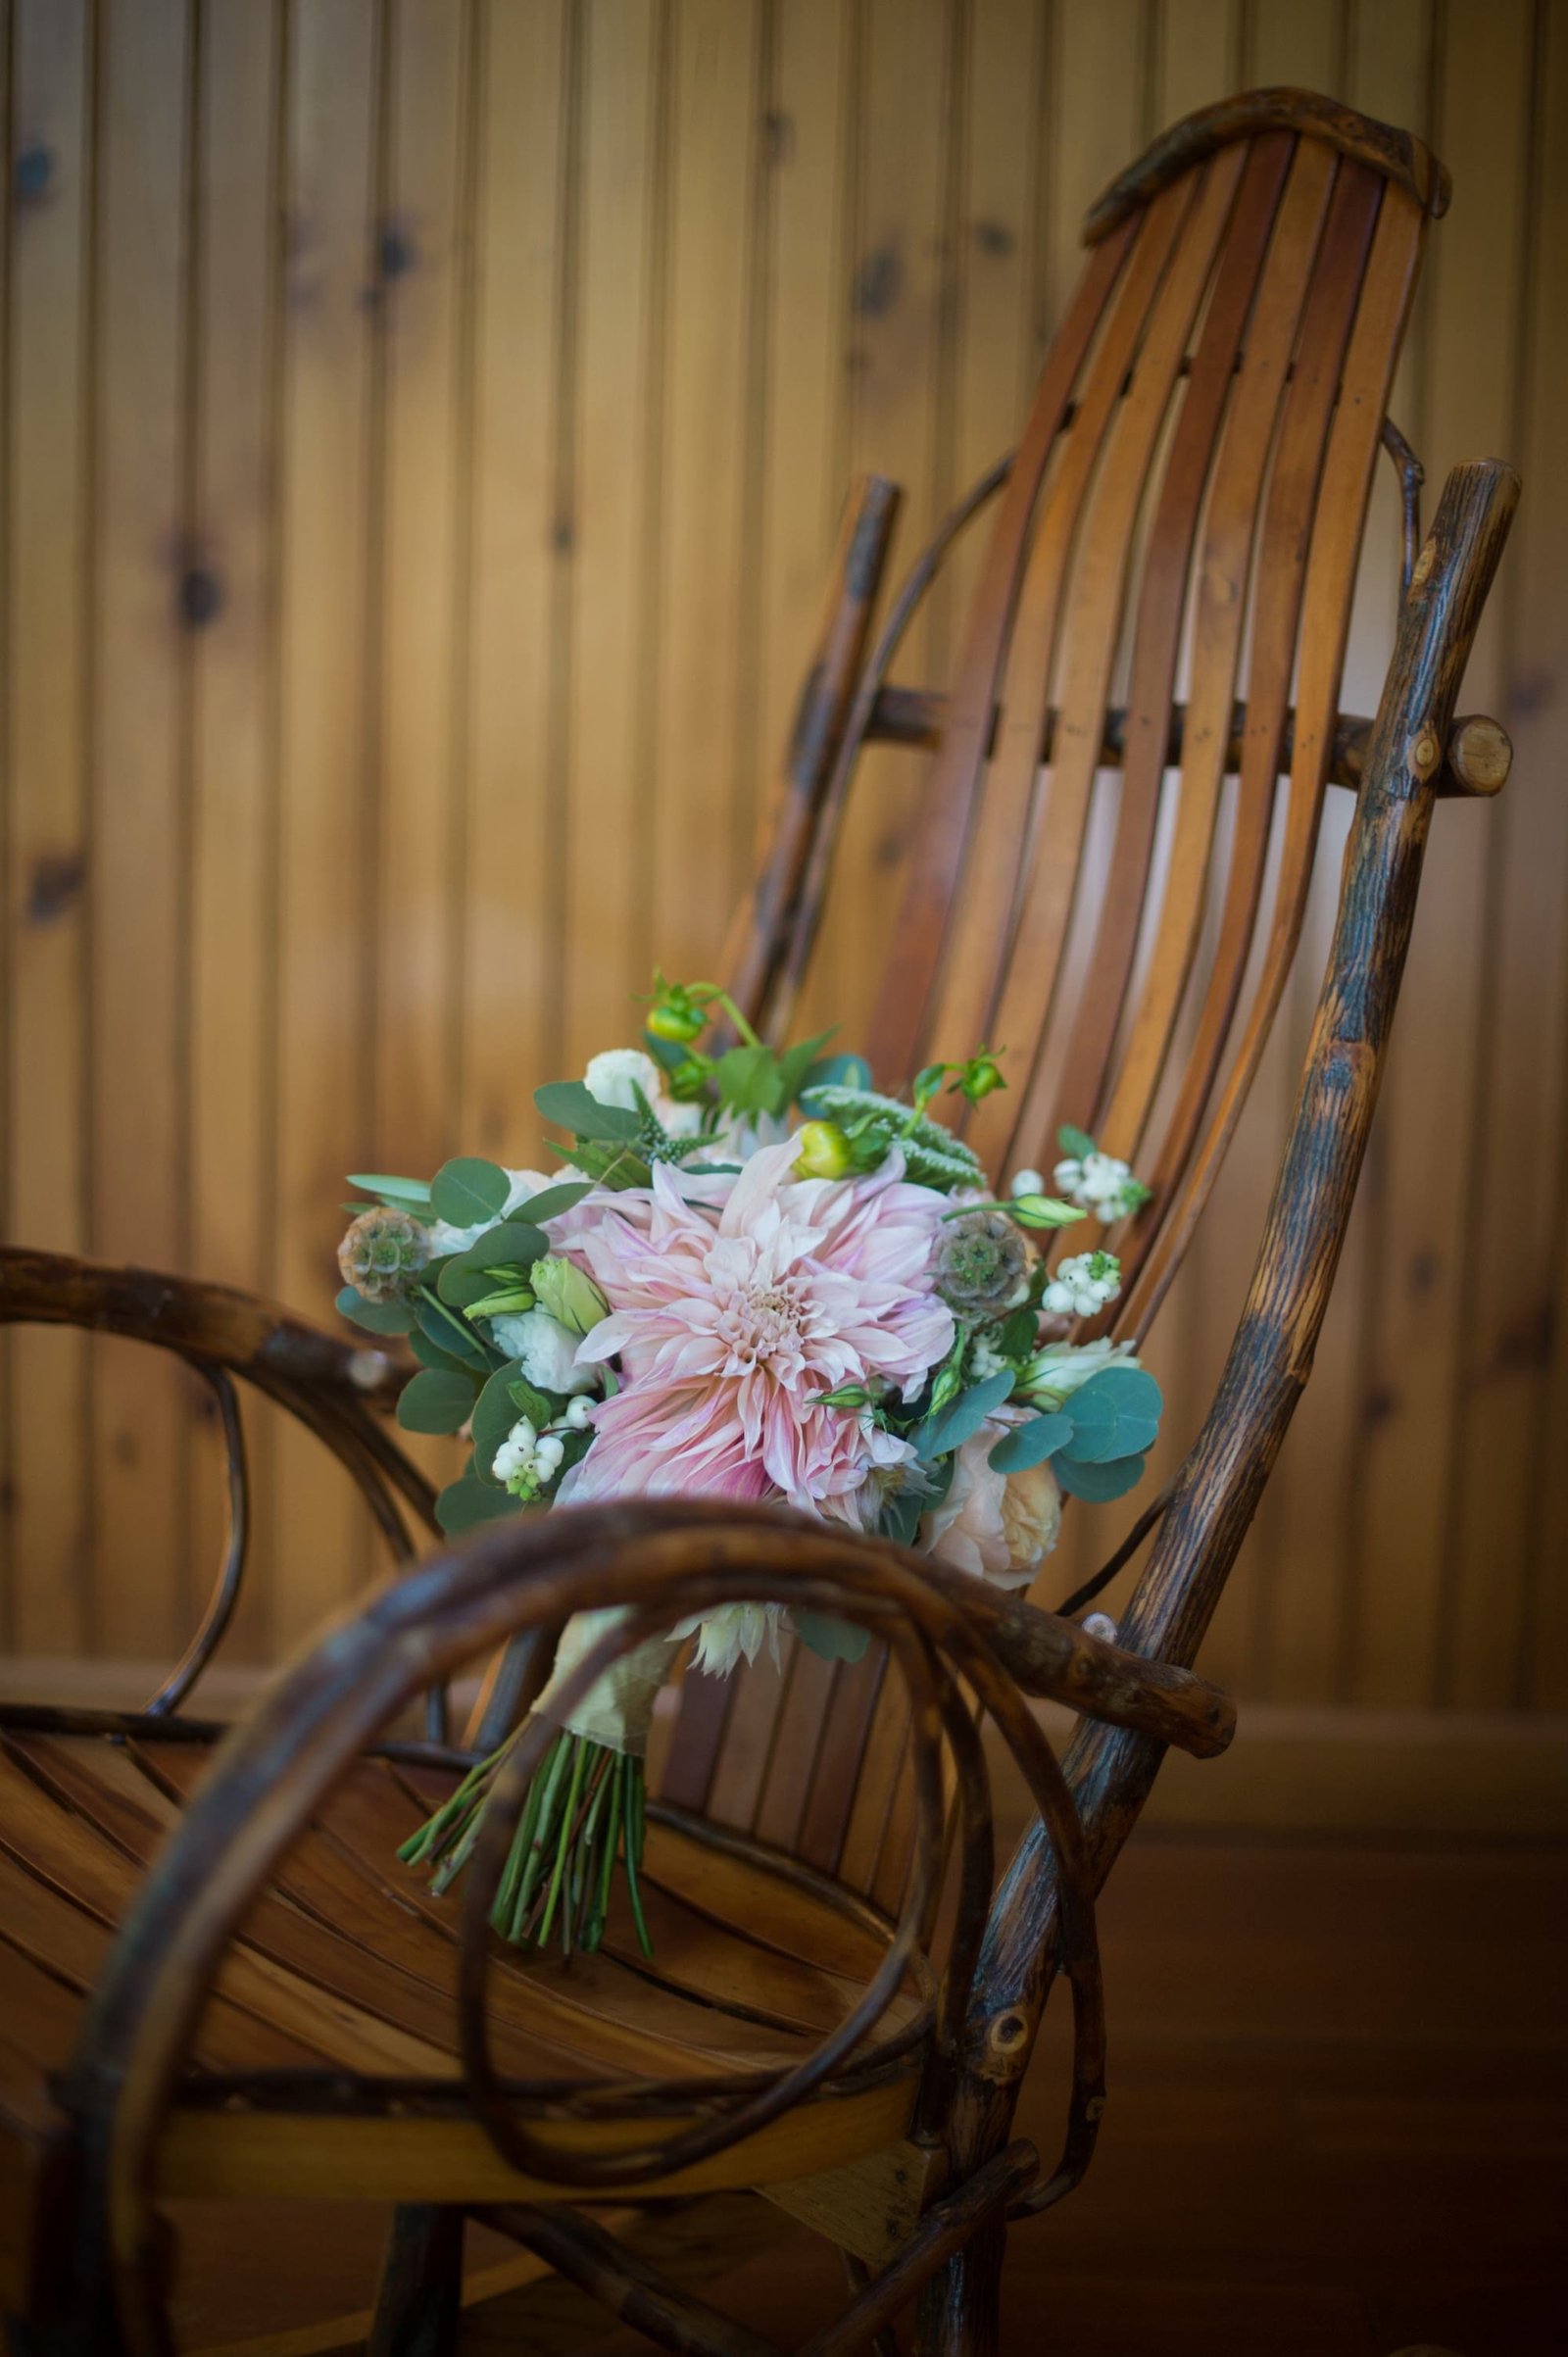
214 1978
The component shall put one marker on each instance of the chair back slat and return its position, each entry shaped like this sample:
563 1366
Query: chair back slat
1091 618
1186 506
1225 562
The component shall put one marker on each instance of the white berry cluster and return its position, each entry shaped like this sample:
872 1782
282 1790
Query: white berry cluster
1100 1184
528 1459
1082 1285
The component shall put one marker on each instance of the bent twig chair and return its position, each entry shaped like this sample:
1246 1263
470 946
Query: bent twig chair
270 2004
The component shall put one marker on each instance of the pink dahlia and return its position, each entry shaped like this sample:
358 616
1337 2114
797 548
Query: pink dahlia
734 1306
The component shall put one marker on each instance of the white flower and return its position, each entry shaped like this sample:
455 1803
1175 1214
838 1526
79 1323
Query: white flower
545 1349
1056 1371
1099 1624
524 1183
612 1077
1082 1285
1100 1183
724 1635
1027 1182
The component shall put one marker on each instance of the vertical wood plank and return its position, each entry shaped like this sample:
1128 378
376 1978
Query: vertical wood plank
48 849
704 806
617 437
228 591
519 575
1306 1597
421 258
140 910
900 351
1506 1629
1423 1283
326 823
805 160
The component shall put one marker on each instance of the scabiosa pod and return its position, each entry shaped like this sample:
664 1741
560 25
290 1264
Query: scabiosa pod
382 1255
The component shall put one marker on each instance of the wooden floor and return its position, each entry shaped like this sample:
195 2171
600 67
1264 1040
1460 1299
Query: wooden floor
1339 2124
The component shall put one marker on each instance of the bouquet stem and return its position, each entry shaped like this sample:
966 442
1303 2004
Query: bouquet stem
584 1809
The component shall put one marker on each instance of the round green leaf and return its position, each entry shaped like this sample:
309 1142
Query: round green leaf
466 1502
573 1105
1098 1484
410 1195
833 1640
1115 1413
467 1190
435 1401
376 1318
553 1200
1031 1444
451 1333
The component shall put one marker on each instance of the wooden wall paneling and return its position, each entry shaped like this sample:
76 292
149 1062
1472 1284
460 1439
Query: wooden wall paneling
1296 42
806 270
6 198
612 523
226 594
140 913
1427 1302
327 861
48 846
1507 1636
1304 1594
998 259
419 288
511 929
701 795
900 362
421 292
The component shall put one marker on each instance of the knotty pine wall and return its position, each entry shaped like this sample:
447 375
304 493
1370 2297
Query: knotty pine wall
424 422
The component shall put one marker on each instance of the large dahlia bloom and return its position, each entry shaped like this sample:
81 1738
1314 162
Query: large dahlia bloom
736 1302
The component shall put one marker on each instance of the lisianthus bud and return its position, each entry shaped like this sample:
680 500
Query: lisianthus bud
382 1253
573 1299
1043 1211
824 1152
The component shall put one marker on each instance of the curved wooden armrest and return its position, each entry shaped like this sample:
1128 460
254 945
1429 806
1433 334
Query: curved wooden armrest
215 1324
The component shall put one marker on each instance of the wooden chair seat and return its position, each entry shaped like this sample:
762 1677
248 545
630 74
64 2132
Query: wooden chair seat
347 1973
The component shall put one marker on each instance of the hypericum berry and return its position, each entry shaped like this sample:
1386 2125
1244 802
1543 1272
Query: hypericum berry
382 1253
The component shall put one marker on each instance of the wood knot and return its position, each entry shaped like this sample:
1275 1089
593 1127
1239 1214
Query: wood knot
1424 563
1007 2032
32 173
1425 754
878 283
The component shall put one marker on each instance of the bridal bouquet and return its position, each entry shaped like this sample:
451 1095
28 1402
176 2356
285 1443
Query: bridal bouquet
760 1280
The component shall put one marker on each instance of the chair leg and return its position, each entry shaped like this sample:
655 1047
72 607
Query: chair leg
421 2295
960 2312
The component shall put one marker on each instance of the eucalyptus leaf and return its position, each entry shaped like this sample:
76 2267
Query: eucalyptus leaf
409 1194
495 1413
451 1333
460 1286
1075 1142
467 1190
1098 1483
964 1418
514 1243
466 1502
430 1354
376 1318
1017 1336
1031 1444
571 1105
796 1062
669 1053
833 1640
435 1401
553 1200
1115 1413
843 1071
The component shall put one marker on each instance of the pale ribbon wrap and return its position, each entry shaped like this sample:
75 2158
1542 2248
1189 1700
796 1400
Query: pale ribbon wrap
617 1710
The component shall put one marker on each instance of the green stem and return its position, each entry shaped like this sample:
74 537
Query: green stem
579 1755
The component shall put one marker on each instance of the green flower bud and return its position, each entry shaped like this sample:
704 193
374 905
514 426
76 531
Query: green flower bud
981 1075
1043 1211
824 1152
689 1080
572 1298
